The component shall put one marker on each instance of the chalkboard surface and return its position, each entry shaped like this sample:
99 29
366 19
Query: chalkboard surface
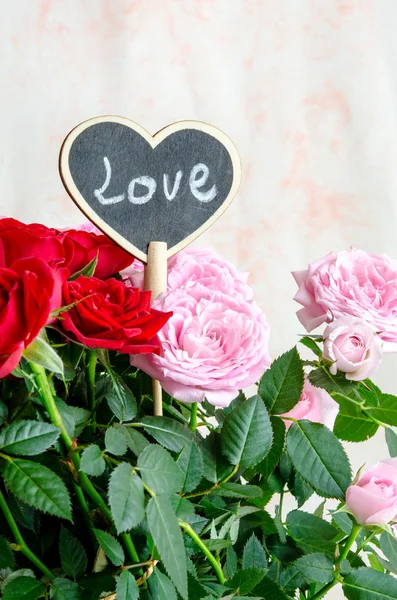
140 188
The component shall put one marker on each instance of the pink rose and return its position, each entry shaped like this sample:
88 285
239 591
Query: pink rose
353 346
215 344
352 282
316 405
373 499
197 264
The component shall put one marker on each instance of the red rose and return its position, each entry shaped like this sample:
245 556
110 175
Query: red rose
18 240
81 247
29 291
110 315
72 249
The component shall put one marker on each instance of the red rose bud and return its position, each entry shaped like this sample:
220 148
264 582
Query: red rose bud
29 291
110 315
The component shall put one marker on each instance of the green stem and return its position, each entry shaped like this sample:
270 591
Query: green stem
20 541
209 490
365 542
349 543
193 417
85 483
90 378
211 558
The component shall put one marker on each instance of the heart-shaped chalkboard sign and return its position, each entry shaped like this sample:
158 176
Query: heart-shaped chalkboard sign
138 188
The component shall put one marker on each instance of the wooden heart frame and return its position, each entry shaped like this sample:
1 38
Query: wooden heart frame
153 140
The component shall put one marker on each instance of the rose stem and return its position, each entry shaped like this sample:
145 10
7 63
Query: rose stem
85 483
20 541
90 378
193 417
211 558
349 543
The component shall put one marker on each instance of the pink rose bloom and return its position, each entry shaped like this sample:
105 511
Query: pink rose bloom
316 405
373 499
215 344
353 346
352 282
196 264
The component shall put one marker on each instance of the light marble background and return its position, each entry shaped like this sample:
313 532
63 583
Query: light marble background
305 88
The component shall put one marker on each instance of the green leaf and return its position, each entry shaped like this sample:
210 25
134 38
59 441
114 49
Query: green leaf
161 587
127 588
270 590
3 412
120 399
316 567
159 470
352 424
238 490
319 458
28 437
92 461
136 442
40 352
311 533
247 433
216 467
301 490
24 514
254 554
268 464
64 589
15 575
191 463
291 578
73 556
386 412
282 384
126 498
168 432
87 271
110 546
6 555
38 486
230 566
322 378
168 539
246 580
115 441
391 441
312 345
388 545
367 584
24 588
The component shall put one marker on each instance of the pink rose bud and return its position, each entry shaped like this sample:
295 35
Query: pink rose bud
353 346
316 405
373 499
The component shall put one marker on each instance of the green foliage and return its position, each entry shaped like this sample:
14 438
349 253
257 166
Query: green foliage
168 432
281 385
268 464
115 441
23 588
316 567
391 440
254 554
319 458
159 470
190 461
111 547
64 589
72 554
120 399
322 378
40 352
367 584
167 536
28 438
388 545
126 588
247 434
161 587
386 411
92 461
352 424
312 534
38 486
126 498
6 555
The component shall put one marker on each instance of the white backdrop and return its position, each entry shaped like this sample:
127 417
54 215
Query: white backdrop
305 88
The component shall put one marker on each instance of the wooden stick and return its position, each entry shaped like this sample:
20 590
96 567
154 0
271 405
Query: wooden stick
156 281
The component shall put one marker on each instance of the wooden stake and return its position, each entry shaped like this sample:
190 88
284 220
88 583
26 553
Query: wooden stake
156 282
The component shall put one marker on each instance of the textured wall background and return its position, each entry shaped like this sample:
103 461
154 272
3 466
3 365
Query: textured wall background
305 88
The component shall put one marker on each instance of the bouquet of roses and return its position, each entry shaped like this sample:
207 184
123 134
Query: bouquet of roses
101 499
